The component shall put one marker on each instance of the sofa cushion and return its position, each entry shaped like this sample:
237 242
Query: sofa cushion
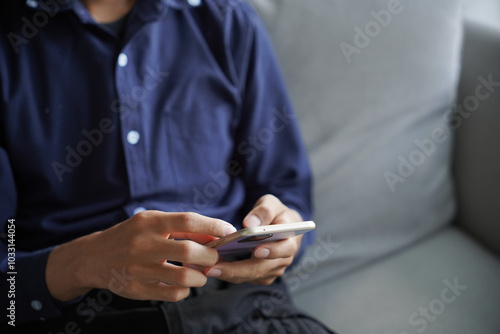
477 144
445 284
372 81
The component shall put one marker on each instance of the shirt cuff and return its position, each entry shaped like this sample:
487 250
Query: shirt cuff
32 297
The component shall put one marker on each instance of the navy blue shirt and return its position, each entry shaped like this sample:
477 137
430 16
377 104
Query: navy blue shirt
186 112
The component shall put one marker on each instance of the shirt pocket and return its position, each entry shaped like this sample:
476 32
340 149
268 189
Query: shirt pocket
201 144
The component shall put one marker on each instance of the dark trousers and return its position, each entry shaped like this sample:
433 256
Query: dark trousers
218 307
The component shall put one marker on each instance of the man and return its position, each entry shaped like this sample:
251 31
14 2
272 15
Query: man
131 133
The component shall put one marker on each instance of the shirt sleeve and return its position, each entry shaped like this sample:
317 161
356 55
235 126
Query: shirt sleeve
22 280
268 146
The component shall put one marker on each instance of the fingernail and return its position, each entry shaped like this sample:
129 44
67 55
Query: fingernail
253 221
214 272
228 229
262 253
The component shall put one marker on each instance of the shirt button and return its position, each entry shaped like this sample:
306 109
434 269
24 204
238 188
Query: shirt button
32 3
139 209
122 60
35 304
133 137
194 3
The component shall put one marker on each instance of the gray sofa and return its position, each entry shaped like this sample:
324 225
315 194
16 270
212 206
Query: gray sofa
399 105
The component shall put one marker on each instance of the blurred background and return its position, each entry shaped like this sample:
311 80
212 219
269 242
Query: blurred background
483 11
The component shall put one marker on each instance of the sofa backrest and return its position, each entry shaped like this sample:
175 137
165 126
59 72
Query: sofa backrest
373 83
477 144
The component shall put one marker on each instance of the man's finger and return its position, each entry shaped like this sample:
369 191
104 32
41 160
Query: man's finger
199 238
163 292
275 250
175 275
185 251
244 270
266 209
188 222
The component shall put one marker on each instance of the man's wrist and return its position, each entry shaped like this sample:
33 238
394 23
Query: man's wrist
67 273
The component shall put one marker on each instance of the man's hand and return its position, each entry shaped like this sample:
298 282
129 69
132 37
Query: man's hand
270 260
130 258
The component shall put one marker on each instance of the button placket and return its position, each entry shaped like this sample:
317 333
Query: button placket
122 59
194 3
133 137
131 126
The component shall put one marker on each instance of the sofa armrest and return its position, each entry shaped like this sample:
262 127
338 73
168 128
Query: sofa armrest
477 145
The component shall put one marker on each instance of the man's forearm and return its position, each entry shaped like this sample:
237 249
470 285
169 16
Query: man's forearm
67 271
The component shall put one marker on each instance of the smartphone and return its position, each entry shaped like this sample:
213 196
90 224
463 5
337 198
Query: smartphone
245 240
